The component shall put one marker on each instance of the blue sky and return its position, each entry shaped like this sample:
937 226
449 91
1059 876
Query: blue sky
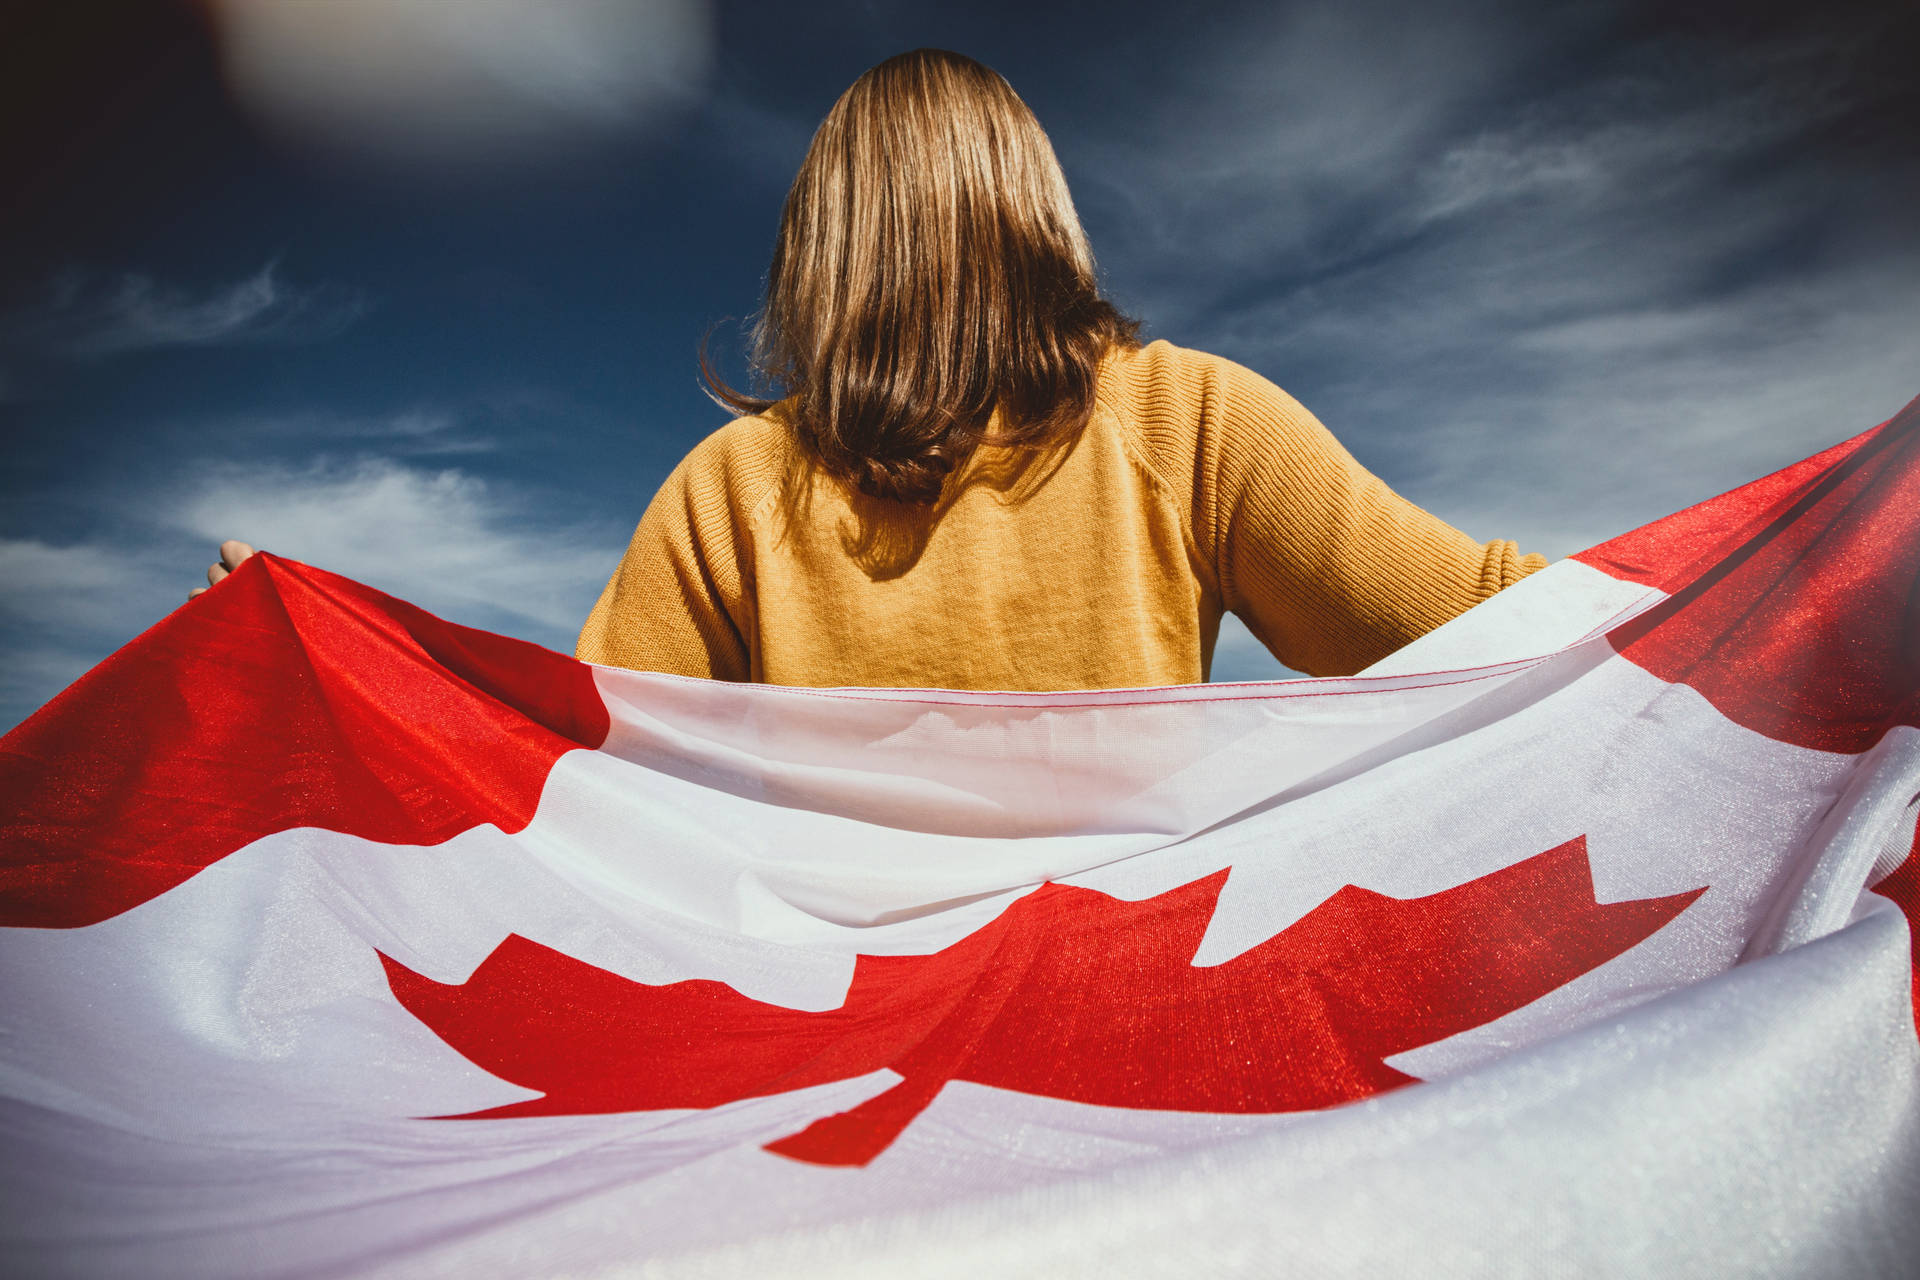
1552 270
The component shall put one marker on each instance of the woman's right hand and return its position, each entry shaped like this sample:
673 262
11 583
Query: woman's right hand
232 552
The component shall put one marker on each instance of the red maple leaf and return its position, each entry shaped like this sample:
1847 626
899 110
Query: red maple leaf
1069 993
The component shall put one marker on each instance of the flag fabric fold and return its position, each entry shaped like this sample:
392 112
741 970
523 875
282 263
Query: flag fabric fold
339 939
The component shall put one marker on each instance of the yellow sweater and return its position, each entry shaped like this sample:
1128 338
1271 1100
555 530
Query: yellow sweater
1197 486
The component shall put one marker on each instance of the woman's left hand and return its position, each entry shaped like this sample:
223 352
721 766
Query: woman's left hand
232 553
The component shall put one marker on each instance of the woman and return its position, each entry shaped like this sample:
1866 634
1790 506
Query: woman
976 477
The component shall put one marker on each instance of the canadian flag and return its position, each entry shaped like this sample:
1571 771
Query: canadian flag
335 938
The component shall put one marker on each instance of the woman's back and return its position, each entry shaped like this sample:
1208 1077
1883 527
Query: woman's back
1103 561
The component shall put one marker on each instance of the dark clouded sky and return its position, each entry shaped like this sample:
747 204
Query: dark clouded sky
413 292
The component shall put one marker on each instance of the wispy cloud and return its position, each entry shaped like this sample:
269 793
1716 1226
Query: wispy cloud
417 432
84 316
1551 286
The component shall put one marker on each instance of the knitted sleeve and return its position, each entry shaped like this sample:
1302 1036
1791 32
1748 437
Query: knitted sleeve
676 603
1329 567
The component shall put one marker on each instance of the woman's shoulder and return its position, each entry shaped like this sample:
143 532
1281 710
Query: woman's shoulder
1165 381
742 461
1171 397
1163 369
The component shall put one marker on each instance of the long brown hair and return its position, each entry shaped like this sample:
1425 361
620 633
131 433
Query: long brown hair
929 269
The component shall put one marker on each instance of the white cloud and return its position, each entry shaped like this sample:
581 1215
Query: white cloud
75 586
63 607
477 552
470 549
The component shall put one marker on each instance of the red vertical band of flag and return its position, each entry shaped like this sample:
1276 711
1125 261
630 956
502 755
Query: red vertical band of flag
1802 619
